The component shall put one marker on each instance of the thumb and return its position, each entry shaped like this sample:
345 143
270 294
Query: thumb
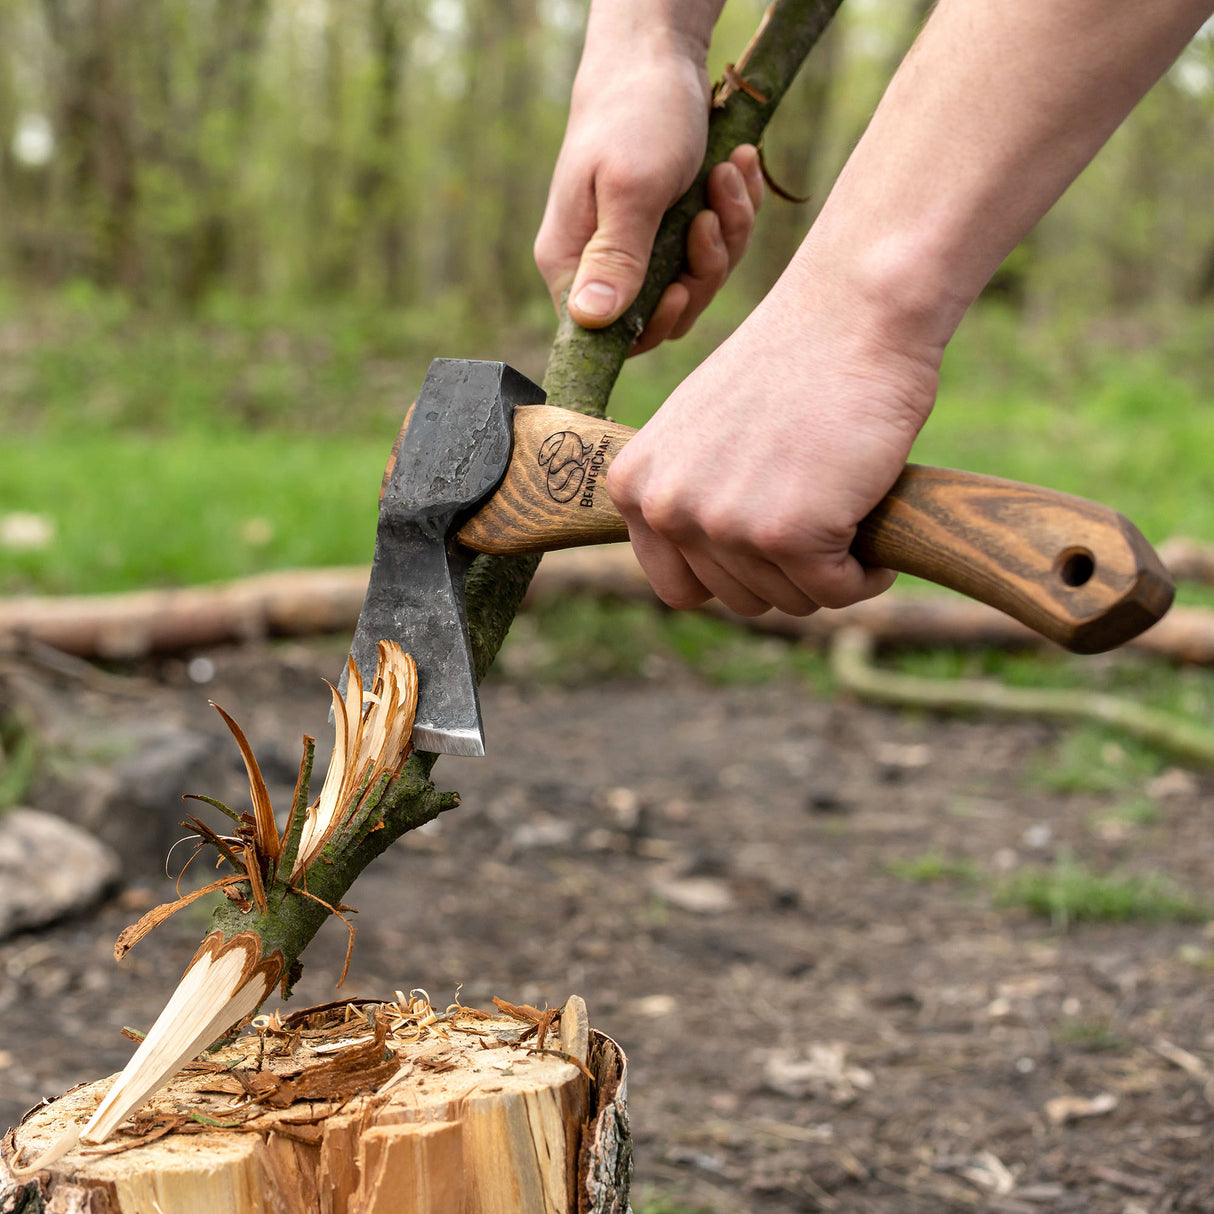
613 263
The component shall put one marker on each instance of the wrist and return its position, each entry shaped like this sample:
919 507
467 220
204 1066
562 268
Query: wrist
897 290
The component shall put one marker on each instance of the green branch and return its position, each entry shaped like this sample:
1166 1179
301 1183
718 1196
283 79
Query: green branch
582 369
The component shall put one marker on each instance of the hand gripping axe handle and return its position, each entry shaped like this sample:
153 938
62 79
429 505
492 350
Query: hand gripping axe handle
484 466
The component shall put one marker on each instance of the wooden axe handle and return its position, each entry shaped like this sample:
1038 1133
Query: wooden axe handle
1071 569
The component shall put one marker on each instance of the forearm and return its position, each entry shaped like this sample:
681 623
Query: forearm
996 109
616 29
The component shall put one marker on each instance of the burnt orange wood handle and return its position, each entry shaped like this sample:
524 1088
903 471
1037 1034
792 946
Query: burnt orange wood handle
1074 571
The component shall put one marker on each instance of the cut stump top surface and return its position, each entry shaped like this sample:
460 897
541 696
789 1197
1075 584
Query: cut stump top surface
335 1108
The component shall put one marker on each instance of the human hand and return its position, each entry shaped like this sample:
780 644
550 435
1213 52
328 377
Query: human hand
635 140
750 480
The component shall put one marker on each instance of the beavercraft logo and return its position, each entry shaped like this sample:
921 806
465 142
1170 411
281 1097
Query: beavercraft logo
567 460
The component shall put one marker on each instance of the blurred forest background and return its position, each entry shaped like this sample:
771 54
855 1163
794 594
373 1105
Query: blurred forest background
233 233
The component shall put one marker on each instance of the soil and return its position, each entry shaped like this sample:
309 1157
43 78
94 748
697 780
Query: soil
715 870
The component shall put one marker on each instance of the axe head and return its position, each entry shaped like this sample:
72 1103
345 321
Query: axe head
452 456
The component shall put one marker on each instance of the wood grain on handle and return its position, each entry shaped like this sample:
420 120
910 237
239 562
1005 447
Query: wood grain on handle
1074 571
553 494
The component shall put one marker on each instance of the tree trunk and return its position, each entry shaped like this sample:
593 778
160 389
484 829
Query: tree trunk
378 180
97 124
363 1108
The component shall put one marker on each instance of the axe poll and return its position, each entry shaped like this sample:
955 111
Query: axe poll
483 465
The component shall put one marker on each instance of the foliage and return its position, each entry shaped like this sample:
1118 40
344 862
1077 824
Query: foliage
393 150
1067 892
1137 811
1089 758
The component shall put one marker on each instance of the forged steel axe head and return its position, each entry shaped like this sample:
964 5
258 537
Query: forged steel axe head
452 456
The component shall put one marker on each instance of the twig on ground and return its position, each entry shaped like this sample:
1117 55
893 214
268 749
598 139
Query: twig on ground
851 657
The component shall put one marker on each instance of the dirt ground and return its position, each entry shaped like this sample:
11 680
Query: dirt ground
714 871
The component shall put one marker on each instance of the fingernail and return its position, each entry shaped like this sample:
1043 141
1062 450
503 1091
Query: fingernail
595 299
735 185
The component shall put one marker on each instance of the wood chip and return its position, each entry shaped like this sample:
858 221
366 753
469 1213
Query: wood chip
1063 1109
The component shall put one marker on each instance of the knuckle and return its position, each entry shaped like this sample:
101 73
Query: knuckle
778 539
750 607
737 239
545 257
726 527
666 513
632 183
684 596
608 251
833 586
623 486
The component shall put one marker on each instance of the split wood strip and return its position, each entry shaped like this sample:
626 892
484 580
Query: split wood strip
334 1110
305 602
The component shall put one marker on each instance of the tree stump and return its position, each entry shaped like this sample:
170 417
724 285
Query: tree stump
356 1108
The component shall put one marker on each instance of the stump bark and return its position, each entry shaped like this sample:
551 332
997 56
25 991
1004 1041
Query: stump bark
356 1108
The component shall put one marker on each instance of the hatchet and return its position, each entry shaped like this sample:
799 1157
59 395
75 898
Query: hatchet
483 465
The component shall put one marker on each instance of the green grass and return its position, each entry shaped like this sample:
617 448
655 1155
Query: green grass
724 654
1095 759
1090 1036
933 867
18 760
152 440
82 361
1066 893
1187 690
667 1205
1069 892
1121 419
133 510
1137 811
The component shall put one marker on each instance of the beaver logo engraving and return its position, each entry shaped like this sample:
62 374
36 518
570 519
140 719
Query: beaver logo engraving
567 460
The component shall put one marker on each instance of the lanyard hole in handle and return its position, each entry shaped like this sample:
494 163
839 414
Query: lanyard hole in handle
1075 566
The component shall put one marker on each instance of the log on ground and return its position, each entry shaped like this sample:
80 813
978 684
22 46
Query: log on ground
356 1108
305 602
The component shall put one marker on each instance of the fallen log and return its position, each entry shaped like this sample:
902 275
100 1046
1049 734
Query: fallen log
307 602
896 618
116 627
1188 560
355 1108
